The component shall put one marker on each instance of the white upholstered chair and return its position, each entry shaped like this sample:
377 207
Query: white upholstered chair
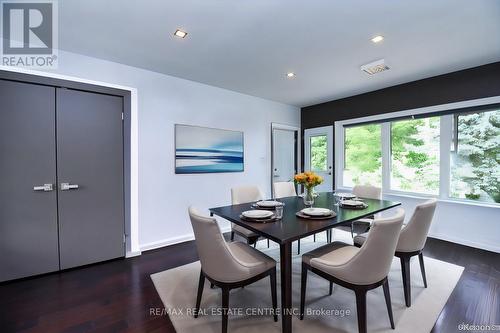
367 191
287 189
228 265
363 191
283 190
411 243
242 195
359 269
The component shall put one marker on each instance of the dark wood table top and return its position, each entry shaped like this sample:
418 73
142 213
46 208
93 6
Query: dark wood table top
292 227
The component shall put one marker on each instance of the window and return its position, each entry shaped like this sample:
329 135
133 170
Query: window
450 153
415 155
319 153
363 155
475 156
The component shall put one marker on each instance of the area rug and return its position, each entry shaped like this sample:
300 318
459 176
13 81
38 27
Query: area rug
251 306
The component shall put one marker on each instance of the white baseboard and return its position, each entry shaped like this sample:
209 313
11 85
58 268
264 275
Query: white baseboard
131 254
189 237
172 241
465 242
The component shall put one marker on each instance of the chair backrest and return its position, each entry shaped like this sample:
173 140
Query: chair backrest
284 189
245 194
414 234
217 259
373 261
367 191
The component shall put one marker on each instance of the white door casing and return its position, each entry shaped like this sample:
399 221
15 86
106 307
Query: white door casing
324 168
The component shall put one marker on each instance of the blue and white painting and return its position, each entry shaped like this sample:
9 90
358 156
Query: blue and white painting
207 150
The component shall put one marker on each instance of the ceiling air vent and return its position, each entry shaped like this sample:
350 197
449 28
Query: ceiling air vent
375 67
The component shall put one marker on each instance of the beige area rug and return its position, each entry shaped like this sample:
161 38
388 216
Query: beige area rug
177 289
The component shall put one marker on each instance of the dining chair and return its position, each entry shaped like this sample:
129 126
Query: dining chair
287 189
228 265
363 191
242 195
283 190
411 243
358 269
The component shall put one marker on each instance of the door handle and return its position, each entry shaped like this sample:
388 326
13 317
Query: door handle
44 188
68 186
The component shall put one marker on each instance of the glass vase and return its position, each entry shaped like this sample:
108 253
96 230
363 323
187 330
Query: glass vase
309 197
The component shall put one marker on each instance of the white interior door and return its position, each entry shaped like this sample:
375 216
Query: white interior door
318 155
284 155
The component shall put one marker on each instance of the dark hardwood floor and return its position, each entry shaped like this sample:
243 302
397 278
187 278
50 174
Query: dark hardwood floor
117 296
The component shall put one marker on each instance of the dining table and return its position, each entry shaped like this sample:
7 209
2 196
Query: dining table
292 227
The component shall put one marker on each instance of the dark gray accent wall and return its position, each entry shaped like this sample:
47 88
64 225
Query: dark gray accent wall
472 83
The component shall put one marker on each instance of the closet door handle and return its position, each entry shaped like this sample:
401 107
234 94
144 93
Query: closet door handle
44 188
68 186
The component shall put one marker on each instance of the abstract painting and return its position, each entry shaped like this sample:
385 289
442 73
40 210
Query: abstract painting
207 150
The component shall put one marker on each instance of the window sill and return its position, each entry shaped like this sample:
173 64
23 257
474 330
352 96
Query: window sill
413 195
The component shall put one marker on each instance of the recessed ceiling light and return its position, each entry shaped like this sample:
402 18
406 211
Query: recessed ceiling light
378 39
290 75
180 33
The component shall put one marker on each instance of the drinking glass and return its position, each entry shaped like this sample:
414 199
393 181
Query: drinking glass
279 212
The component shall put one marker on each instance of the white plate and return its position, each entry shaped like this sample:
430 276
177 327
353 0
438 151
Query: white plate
316 211
352 203
257 214
345 195
268 203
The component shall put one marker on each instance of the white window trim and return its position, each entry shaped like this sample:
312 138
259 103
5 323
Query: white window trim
317 131
445 143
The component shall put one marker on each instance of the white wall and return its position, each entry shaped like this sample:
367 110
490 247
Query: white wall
163 101
467 224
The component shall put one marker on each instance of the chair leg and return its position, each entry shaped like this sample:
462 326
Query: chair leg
422 268
388 302
405 271
331 289
268 243
303 285
255 245
361 309
352 230
298 246
201 284
225 308
314 238
274 295
329 236
212 286
232 236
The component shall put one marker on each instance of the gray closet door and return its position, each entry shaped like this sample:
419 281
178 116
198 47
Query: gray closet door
90 177
28 217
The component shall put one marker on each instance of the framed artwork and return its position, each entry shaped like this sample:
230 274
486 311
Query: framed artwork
207 150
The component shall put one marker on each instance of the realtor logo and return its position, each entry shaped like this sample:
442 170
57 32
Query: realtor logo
29 33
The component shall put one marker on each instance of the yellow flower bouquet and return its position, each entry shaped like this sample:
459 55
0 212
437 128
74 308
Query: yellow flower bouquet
309 180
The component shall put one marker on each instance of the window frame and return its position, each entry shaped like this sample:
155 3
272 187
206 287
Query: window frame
446 128
390 159
344 152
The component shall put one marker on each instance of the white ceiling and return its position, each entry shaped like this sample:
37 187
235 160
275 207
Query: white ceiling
249 45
